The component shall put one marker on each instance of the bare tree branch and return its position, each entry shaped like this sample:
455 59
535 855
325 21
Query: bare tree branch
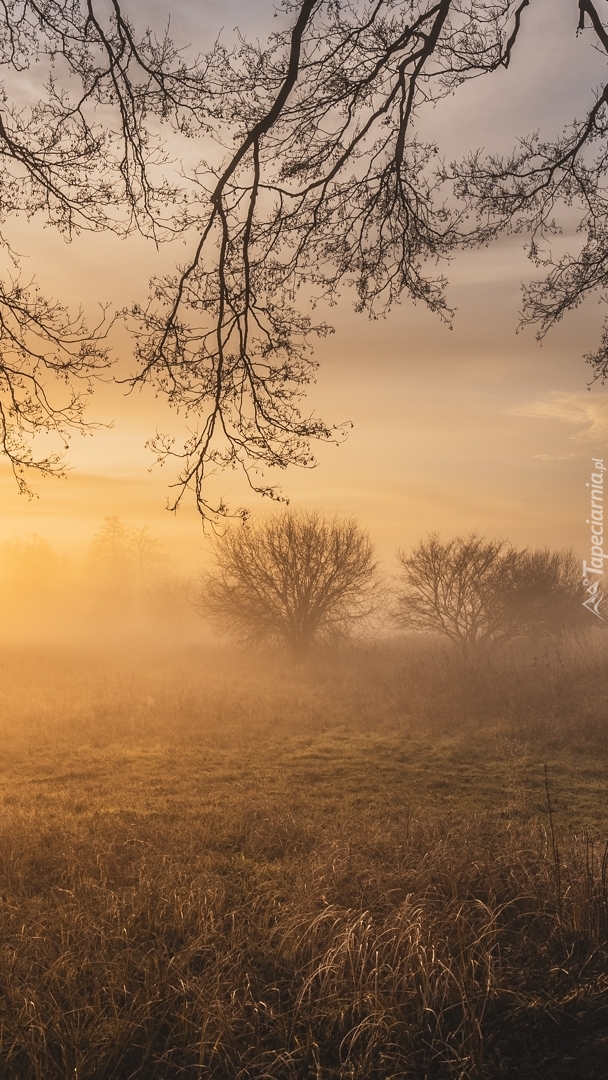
83 156
328 187
320 182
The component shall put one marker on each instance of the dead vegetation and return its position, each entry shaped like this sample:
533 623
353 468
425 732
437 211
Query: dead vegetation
212 867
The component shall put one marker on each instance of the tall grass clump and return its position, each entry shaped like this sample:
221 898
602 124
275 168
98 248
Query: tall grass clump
551 687
370 949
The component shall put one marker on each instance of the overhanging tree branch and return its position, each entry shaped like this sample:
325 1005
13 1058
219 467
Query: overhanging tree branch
321 182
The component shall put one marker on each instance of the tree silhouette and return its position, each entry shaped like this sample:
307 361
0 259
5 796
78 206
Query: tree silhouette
294 579
332 184
81 156
122 562
481 592
321 179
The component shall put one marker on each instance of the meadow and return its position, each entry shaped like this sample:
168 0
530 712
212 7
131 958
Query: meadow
386 863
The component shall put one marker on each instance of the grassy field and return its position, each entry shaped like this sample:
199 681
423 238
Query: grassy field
388 863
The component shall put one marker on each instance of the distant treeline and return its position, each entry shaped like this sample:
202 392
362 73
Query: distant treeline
126 580
296 579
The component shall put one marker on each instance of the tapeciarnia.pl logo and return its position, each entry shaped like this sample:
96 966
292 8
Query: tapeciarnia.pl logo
593 585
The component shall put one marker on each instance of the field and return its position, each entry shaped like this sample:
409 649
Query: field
388 863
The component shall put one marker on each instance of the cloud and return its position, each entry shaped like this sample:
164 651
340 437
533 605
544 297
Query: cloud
558 457
586 411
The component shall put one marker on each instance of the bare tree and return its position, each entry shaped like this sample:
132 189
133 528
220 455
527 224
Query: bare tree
322 179
331 183
481 592
293 579
82 155
121 562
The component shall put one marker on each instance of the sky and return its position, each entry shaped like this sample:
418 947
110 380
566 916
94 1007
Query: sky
477 427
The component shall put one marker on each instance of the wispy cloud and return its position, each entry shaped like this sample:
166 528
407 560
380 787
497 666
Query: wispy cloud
588 412
558 457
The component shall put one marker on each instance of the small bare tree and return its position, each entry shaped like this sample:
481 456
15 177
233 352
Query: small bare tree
480 592
294 579
121 562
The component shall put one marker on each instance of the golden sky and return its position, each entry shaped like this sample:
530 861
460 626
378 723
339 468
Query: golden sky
472 428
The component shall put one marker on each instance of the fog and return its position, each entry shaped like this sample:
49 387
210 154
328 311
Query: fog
195 835
124 588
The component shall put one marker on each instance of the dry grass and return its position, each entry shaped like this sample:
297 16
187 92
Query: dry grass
219 867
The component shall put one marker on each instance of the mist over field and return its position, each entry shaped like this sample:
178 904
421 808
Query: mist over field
123 588
389 860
